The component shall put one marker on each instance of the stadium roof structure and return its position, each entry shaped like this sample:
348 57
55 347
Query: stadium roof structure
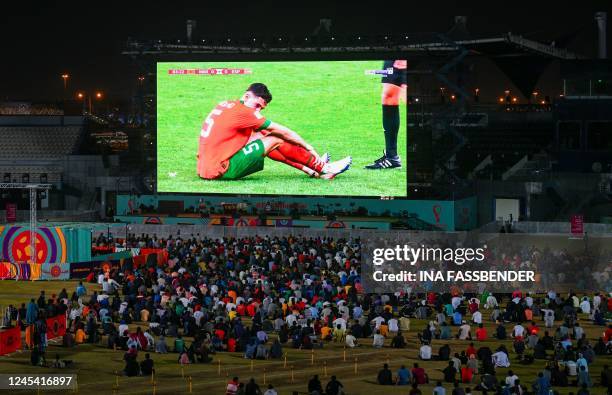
505 45
522 59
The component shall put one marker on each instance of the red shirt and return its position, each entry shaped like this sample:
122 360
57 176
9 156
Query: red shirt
481 334
231 344
419 375
225 131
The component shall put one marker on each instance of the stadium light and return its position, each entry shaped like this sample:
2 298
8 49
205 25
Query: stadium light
514 100
98 95
65 78
501 99
80 95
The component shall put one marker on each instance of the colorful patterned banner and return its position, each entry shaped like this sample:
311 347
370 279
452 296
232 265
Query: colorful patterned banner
8 271
55 271
15 244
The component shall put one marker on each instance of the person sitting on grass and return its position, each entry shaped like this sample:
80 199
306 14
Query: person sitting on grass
379 340
415 390
481 333
315 386
398 341
445 331
351 341
179 344
425 352
333 386
160 346
541 386
80 336
418 375
403 376
146 365
252 388
131 365
439 389
450 372
385 377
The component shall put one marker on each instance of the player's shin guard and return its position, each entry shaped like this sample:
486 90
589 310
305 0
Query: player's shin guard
391 124
279 157
298 154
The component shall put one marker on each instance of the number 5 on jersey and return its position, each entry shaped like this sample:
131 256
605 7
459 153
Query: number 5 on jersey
250 148
209 122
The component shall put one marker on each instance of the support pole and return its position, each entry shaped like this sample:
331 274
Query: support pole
33 220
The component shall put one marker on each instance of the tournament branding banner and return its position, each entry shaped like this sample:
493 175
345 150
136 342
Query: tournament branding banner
11 212
577 225
55 271
81 269
10 340
336 225
56 326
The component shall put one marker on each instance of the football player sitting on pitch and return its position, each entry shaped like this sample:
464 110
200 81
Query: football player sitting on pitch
235 138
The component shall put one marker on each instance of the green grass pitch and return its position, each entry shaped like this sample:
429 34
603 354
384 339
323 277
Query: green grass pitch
333 105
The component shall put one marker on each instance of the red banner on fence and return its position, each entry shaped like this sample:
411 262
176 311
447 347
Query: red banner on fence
11 212
56 326
10 340
577 225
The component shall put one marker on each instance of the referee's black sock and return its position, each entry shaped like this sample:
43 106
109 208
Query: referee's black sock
391 123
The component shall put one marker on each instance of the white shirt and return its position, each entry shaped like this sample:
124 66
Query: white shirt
510 380
491 301
425 352
291 318
393 325
464 331
500 359
379 340
477 317
519 330
585 306
122 329
378 320
350 340
596 301
198 317
339 321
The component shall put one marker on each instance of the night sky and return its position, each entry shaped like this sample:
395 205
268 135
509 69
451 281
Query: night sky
40 40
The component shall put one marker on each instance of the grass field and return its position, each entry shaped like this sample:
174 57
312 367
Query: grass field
95 365
333 105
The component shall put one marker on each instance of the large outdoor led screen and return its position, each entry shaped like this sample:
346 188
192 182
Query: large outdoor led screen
287 128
